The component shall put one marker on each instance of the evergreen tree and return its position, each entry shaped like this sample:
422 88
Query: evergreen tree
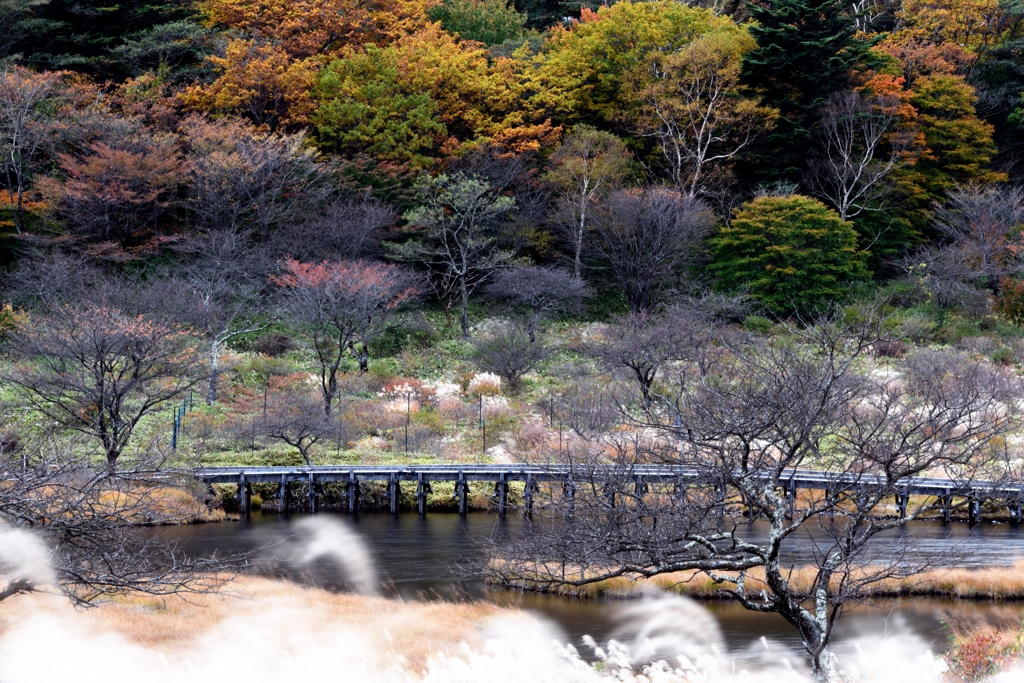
82 35
805 50
792 254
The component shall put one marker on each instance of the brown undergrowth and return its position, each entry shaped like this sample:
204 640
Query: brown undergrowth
173 623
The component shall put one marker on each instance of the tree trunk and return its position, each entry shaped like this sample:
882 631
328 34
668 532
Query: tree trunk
464 293
211 393
363 358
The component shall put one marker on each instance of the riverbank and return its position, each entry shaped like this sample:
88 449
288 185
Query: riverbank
987 583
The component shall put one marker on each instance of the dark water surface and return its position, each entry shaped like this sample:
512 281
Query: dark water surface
437 557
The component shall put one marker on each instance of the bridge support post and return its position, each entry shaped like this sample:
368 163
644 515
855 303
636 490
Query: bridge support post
901 503
352 493
1015 512
569 493
283 494
947 507
312 494
973 510
528 495
395 491
244 495
640 487
462 493
422 489
501 489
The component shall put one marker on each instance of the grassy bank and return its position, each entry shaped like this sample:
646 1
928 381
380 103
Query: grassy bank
990 583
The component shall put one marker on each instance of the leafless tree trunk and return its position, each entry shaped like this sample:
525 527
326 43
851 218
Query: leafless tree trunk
738 420
862 143
89 527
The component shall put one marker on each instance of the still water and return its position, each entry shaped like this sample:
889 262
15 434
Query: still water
438 556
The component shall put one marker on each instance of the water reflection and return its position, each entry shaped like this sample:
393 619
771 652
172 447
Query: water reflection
438 556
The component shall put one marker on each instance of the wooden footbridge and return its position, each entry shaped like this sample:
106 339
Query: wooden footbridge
1009 496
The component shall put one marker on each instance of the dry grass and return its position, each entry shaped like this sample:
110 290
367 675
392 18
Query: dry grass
990 583
174 623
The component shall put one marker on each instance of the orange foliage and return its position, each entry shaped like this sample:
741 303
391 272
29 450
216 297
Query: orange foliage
261 81
307 28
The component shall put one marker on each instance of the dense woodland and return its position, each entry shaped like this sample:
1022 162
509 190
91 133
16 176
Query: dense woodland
794 153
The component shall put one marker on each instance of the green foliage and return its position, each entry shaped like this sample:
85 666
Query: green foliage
586 69
491 22
757 324
793 254
366 107
806 50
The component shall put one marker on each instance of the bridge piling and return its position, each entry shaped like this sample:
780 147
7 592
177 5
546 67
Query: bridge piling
422 489
528 496
352 492
244 498
395 491
462 492
282 494
947 506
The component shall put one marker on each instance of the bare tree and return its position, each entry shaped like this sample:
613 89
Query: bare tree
738 423
644 343
863 141
99 371
544 290
647 238
244 180
984 227
299 421
88 527
342 306
25 127
510 353
587 165
341 228
459 246
217 289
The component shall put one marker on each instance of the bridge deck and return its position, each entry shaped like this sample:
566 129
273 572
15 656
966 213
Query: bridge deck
798 479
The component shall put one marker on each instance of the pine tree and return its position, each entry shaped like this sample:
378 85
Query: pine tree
806 50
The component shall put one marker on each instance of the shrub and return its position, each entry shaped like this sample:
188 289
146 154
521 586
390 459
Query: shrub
510 354
273 344
491 22
758 324
793 254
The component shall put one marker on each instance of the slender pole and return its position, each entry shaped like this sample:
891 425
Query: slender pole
408 412
483 427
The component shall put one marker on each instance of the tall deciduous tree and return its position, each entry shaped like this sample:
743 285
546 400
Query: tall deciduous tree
342 306
26 126
243 180
217 288
459 245
805 51
861 144
692 109
116 193
587 165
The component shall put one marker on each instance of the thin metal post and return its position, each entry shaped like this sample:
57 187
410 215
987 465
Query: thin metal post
408 412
